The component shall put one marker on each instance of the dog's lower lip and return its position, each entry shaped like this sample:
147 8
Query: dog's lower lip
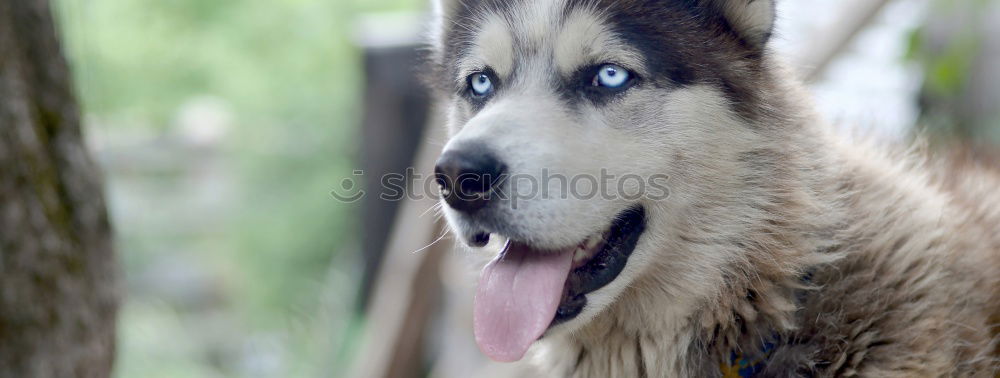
603 266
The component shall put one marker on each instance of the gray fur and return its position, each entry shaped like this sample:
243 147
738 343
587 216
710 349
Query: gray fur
851 260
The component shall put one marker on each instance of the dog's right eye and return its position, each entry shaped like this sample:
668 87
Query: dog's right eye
480 84
611 76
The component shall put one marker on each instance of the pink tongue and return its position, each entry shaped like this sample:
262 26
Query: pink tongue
517 298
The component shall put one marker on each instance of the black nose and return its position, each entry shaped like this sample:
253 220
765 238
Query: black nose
468 177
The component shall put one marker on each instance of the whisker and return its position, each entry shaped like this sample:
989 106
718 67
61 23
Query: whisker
443 235
436 207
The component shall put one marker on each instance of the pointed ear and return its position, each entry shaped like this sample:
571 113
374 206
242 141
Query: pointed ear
753 20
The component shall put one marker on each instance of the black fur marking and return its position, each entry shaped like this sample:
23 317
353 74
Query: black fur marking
579 85
689 42
684 42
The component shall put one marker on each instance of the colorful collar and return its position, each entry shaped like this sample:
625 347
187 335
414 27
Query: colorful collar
740 367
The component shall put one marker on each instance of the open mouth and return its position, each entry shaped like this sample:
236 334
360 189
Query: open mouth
524 291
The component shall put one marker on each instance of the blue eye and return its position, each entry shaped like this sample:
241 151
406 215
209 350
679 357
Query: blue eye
481 84
611 76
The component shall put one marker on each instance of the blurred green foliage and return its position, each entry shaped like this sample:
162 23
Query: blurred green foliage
282 255
947 72
955 99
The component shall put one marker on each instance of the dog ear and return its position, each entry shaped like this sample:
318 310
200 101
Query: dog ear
753 20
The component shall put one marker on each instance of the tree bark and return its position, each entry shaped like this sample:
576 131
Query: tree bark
58 275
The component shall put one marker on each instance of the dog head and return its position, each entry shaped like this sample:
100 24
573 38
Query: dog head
592 134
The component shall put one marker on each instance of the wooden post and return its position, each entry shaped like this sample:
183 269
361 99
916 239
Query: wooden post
403 245
829 44
396 108
407 285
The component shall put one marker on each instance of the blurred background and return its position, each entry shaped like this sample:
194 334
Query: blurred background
223 127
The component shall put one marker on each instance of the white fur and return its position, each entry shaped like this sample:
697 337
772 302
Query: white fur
494 46
584 39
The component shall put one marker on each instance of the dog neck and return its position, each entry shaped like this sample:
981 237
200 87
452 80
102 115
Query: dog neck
664 334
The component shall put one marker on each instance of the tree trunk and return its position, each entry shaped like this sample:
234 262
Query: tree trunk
58 275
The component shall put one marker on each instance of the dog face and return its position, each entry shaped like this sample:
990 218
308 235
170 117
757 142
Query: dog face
571 121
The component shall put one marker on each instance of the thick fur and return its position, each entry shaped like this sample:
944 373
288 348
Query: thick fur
849 261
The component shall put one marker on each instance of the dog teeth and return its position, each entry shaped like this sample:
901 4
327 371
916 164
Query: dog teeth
593 241
587 248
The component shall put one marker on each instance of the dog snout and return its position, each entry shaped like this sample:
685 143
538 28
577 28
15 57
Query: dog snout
468 176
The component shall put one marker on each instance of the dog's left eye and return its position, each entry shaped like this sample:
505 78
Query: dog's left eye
611 76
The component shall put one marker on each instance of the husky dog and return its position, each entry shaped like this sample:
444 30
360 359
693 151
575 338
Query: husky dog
781 249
